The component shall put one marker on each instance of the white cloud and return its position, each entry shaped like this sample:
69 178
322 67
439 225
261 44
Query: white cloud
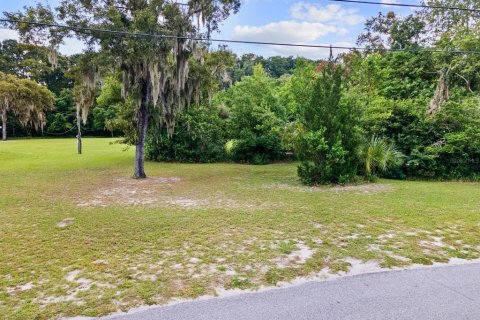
8 34
312 53
309 24
333 13
286 31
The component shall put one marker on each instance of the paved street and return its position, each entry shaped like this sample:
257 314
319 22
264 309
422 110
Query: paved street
450 292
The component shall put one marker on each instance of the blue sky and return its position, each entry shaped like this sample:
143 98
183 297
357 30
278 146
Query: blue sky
294 21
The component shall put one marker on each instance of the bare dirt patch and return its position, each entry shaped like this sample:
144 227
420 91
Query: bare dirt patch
65 222
299 256
20 288
370 188
157 192
129 192
365 188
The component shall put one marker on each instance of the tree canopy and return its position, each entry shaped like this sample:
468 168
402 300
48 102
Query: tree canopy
155 72
343 117
25 99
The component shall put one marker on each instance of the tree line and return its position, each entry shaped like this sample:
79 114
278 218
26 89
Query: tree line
357 116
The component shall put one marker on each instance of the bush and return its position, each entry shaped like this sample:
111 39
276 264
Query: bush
255 119
329 140
257 149
323 163
199 137
443 146
378 156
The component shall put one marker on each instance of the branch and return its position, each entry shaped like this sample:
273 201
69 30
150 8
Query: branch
466 81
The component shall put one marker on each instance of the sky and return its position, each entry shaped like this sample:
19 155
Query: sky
294 21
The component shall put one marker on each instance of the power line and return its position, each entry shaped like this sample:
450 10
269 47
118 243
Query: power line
423 6
162 36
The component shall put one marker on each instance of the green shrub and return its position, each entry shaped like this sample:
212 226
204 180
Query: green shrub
443 146
257 149
378 156
327 145
255 119
199 137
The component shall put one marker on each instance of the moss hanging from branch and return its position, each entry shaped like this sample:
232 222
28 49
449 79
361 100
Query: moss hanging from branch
85 92
26 100
442 93
52 56
167 78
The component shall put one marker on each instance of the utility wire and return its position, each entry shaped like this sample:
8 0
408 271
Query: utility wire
162 36
423 6
59 134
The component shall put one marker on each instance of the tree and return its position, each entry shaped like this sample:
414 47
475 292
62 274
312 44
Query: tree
255 118
34 62
84 91
278 66
108 102
154 70
200 133
330 136
389 30
297 89
25 99
60 120
444 21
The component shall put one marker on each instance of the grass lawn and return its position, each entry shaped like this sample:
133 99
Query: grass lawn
78 237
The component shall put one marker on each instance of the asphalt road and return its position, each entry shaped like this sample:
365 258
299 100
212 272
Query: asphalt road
451 292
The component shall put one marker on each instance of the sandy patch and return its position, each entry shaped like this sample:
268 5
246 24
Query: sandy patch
370 188
364 188
299 256
188 203
21 288
129 192
65 222
157 192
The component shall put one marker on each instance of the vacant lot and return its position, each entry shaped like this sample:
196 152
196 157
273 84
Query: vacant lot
78 237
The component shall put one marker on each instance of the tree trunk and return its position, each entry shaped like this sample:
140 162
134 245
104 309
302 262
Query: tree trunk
142 124
4 125
79 133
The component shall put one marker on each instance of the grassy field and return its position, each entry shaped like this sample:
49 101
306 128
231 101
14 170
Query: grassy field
78 237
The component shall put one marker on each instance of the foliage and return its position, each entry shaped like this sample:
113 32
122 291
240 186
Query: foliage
424 103
257 149
58 122
155 72
330 120
297 89
377 155
275 66
255 118
199 137
108 103
25 99
454 151
390 30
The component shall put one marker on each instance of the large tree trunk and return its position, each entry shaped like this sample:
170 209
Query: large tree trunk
142 124
4 125
79 133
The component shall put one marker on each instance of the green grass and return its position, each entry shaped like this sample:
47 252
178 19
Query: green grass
190 229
